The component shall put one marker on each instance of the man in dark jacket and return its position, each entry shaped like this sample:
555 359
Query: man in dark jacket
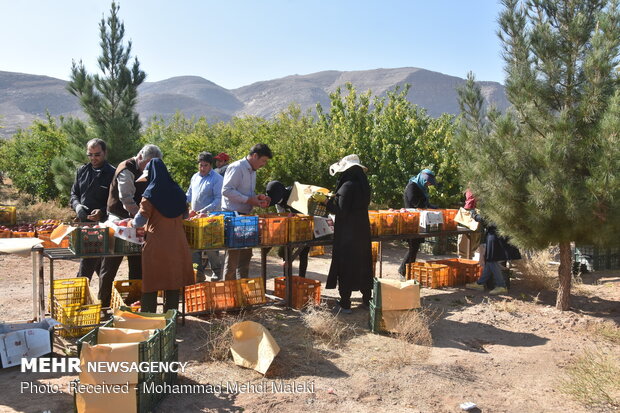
89 195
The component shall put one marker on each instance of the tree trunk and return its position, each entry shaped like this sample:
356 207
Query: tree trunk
565 276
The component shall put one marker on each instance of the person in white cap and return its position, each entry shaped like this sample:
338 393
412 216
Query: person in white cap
351 266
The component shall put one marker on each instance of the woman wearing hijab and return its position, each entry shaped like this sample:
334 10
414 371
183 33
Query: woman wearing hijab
166 259
351 266
416 196
279 197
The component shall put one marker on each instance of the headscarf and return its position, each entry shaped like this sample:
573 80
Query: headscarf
165 194
425 175
277 192
356 174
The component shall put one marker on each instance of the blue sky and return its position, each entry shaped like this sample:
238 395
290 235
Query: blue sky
235 43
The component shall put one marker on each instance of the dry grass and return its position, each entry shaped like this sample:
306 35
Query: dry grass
217 338
608 331
28 210
535 271
509 306
594 380
414 328
325 325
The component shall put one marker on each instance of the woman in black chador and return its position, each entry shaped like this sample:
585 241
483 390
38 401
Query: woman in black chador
351 267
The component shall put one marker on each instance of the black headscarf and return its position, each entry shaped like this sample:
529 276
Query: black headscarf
165 194
356 174
277 192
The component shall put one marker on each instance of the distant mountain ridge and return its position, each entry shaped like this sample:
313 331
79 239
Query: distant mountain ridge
25 97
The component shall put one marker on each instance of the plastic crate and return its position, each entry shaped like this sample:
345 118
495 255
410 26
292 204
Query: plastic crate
89 241
148 350
429 275
464 271
241 231
125 292
374 250
211 296
250 291
125 247
316 209
389 222
206 232
76 319
305 291
8 215
300 228
6 234
316 251
409 223
44 236
273 229
69 291
22 234
168 333
375 222
449 224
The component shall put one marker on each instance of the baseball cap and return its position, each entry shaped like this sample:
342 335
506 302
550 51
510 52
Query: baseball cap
222 156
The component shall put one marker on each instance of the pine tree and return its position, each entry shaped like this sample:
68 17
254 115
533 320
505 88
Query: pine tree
110 99
548 170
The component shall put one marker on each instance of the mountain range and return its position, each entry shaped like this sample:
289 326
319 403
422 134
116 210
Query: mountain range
25 97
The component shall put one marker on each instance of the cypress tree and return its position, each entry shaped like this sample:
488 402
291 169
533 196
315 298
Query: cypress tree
548 170
110 99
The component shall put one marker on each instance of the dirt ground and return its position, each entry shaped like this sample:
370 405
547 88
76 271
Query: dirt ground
505 354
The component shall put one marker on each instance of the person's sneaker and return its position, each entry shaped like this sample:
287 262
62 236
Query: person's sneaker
475 286
338 309
498 291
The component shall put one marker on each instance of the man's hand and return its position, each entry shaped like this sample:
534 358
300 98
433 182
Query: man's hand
263 200
254 201
82 212
192 213
96 215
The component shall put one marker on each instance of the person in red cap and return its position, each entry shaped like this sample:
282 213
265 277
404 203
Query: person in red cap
221 163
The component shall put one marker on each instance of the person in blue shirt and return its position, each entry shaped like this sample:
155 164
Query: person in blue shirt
205 195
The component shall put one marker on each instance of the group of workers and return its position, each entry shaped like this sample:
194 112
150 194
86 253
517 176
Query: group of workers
141 191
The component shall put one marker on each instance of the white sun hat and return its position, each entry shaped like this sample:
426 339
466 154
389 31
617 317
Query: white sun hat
345 163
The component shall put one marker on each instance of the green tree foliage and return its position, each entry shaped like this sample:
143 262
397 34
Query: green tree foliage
109 99
547 171
393 138
27 156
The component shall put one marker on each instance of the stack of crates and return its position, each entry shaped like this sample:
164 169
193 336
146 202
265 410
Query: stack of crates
73 306
154 338
88 241
205 232
462 271
224 295
305 291
385 314
429 275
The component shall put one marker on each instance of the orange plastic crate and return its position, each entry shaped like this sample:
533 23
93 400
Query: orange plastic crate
17 234
430 275
45 237
465 271
251 291
448 219
390 221
317 251
6 234
300 228
375 222
375 255
211 296
126 292
409 222
305 291
274 230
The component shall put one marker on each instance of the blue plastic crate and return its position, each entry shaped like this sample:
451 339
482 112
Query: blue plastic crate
241 231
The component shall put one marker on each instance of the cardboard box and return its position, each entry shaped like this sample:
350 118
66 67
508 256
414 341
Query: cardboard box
29 340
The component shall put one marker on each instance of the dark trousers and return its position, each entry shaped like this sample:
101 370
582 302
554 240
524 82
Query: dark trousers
303 259
88 266
414 247
148 302
107 269
345 298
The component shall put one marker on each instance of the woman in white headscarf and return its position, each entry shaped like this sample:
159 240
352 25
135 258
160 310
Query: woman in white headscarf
351 266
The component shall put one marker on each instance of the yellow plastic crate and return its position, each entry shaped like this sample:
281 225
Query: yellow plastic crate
8 215
77 319
251 291
206 232
300 228
69 291
125 292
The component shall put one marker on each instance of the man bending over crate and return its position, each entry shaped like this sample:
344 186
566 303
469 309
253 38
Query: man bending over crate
238 195
205 195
